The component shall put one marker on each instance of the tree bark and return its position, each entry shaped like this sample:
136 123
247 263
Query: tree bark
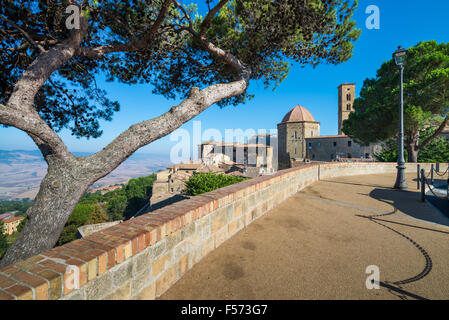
412 153
60 190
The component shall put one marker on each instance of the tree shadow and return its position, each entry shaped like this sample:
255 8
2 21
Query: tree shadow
175 198
409 203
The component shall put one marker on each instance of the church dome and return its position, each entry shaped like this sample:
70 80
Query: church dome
298 114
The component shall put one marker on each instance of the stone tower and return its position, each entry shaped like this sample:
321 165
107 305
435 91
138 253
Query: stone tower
346 97
297 125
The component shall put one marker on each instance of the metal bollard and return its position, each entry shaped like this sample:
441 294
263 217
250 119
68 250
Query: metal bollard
423 186
418 177
431 174
438 167
447 190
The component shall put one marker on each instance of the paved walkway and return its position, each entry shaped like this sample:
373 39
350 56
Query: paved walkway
318 244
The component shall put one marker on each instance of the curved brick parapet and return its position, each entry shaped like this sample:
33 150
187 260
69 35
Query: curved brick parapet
142 257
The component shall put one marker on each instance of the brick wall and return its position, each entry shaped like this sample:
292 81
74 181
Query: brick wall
142 257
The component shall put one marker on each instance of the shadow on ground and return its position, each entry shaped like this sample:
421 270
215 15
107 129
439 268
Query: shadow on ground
409 203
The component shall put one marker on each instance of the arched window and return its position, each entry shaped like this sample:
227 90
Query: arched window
348 107
348 97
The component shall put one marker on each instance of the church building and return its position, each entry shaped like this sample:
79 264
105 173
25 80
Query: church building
299 135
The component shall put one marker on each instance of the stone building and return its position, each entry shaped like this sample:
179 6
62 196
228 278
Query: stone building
10 225
251 155
297 125
299 135
346 97
339 148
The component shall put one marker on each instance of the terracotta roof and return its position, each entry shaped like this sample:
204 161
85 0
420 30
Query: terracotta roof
298 114
12 219
186 166
6 215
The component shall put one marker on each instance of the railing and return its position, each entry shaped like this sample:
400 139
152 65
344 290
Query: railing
428 180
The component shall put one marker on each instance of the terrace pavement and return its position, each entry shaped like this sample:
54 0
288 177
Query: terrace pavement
318 243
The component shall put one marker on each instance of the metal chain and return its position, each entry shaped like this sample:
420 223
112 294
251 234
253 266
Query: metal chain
427 182
442 173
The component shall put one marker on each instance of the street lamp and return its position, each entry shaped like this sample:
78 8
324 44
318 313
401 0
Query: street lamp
399 58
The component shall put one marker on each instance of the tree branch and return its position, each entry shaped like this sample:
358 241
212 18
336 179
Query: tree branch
435 134
19 111
24 33
100 51
34 125
207 20
143 133
184 12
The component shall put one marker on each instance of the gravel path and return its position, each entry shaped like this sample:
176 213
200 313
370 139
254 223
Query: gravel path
318 244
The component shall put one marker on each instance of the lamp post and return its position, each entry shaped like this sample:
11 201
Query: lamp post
399 57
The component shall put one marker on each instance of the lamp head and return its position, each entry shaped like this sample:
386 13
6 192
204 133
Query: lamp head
399 56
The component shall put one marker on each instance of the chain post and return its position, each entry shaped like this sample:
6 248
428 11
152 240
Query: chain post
431 175
418 179
423 185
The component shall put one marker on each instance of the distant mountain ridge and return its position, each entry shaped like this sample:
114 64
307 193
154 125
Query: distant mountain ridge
23 170
17 155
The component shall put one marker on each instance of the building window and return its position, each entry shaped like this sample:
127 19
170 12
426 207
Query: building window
335 143
313 156
349 143
348 107
295 150
348 97
311 133
332 156
296 135
366 155
319 144
349 156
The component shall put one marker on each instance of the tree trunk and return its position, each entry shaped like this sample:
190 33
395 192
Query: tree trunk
59 193
411 144
412 153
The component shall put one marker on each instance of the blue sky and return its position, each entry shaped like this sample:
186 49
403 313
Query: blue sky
402 22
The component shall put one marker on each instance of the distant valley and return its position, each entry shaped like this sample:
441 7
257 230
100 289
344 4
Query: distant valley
22 171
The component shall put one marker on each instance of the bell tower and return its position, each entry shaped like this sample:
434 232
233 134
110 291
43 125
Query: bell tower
346 97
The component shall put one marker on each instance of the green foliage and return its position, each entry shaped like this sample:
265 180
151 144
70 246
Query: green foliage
116 207
436 151
3 241
265 35
138 192
204 182
68 234
112 206
79 217
98 215
21 224
21 206
426 97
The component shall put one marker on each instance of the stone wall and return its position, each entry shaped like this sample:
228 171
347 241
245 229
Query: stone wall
328 148
142 257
